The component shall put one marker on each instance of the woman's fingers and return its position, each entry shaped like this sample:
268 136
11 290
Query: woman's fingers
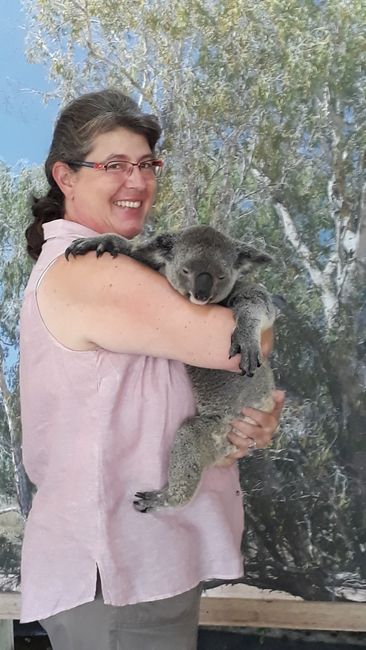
258 431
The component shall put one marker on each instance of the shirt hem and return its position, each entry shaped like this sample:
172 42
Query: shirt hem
133 601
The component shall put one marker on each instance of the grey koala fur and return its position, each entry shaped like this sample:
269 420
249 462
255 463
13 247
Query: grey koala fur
206 266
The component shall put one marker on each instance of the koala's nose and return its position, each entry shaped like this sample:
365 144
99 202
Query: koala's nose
203 286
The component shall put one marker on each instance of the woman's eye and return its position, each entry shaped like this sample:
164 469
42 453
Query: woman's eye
114 166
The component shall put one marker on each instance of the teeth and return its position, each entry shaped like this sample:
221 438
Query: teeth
128 204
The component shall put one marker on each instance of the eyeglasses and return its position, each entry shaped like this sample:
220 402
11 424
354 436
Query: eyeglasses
148 168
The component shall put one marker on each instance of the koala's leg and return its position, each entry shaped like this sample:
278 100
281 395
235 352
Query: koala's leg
194 448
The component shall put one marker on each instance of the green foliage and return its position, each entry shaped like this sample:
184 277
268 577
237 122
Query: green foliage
7 484
15 191
10 549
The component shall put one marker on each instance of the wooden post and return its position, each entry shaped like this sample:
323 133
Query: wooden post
6 635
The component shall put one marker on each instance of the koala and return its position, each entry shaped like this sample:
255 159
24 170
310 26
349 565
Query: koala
206 266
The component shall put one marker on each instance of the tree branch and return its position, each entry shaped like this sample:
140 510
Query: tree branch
320 279
10 509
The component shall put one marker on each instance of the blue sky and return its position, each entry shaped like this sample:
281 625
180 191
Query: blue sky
26 124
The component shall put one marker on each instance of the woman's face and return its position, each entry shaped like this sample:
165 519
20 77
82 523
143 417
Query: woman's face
98 197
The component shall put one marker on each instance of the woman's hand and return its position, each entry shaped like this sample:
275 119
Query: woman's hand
257 434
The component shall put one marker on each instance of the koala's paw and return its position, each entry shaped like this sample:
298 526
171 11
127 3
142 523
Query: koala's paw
149 501
250 353
113 244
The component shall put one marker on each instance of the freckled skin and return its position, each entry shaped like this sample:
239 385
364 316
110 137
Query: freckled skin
199 261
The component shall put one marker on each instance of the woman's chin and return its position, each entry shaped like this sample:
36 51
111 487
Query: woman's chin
129 225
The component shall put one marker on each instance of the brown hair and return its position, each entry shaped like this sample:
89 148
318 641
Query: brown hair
78 124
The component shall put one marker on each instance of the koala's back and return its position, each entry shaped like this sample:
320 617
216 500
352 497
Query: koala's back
226 393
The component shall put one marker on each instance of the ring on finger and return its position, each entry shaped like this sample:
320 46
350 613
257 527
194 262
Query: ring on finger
253 444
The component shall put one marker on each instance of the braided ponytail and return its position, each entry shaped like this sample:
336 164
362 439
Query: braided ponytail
44 209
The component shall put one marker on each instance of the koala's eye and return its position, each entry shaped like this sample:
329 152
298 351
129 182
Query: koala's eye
222 277
185 271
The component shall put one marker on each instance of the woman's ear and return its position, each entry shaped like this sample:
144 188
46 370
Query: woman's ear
65 178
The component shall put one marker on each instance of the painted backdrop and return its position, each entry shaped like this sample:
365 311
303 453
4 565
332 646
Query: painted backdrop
264 110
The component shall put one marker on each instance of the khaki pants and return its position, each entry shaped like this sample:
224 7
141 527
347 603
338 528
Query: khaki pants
168 624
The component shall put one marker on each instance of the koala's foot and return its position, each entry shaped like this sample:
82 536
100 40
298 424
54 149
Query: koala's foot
178 491
113 244
249 350
149 501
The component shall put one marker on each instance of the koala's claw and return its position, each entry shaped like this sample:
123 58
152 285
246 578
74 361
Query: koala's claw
76 248
250 361
147 501
102 244
250 356
83 246
234 349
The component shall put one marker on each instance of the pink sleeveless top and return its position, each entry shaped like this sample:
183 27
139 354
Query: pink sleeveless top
97 427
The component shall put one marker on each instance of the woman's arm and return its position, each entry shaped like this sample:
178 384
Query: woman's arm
120 305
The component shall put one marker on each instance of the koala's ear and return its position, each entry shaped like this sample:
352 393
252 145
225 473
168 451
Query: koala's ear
156 251
249 256
164 245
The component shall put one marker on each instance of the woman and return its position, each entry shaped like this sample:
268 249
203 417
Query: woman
103 390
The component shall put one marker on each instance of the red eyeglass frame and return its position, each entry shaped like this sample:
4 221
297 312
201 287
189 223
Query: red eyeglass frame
158 163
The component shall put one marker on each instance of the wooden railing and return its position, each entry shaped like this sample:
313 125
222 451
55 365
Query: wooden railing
239 612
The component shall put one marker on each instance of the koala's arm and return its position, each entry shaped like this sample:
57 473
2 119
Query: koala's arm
120 305
147 253
253 302
254 312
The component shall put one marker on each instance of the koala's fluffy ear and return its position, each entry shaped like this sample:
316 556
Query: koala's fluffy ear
249 256
164 245
157 251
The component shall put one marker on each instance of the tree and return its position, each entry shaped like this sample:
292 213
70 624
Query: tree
263 108
15 488
15 191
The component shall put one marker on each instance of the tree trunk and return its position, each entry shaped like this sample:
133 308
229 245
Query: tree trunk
22 483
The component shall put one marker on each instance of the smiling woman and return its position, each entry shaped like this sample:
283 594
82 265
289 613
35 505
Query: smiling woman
121 191
89 129
103 391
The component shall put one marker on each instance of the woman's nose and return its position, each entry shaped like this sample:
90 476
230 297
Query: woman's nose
135 179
